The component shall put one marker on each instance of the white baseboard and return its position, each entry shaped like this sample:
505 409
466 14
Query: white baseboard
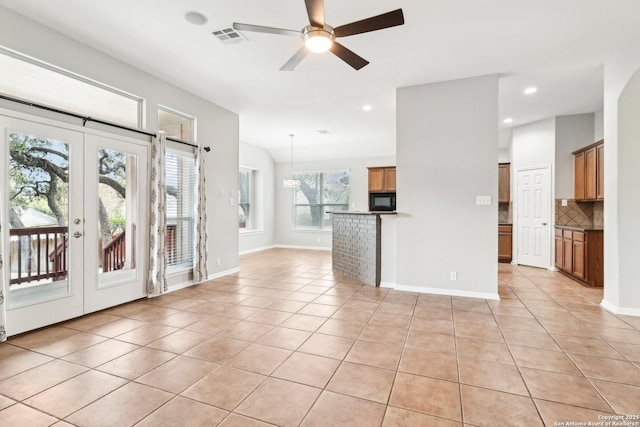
223 273
620 310
314 248
440 291
250 251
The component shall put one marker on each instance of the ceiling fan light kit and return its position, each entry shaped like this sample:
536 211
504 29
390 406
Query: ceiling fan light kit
318 40
319 37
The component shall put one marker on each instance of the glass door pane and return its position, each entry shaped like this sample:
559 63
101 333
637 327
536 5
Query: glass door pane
117 203
38 218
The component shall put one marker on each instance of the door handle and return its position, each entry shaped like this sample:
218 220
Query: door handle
77 234
544 223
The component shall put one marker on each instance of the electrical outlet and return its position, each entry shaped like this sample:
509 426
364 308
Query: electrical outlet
565 202
483 200
218 262
453 275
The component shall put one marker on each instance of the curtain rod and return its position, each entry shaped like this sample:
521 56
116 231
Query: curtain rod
86 119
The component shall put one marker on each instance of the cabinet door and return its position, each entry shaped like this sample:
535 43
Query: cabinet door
376 180
559 256
504 178
590 179
600 172
567 255
504 243
390 179
578 259
578 179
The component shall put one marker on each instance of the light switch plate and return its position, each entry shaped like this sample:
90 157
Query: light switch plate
565 202
483 200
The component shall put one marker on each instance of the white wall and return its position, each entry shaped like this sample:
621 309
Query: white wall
216 126
622 198
598 125
572 133
447 152
286 235
533 145
262 233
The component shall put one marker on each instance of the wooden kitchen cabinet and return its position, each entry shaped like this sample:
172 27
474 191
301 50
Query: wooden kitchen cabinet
600 172
589 173
382 179
580 254
504 182
505 243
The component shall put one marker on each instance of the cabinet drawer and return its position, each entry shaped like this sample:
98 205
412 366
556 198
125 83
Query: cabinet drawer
578 235
559 232
504 229
567 234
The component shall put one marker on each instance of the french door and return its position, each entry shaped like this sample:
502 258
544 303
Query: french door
74 212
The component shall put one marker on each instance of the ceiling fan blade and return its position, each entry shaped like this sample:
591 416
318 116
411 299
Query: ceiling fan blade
269 30
348 56
386 20
315 10
293 62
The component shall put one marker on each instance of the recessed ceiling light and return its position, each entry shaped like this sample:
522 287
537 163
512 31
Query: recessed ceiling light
508 120
530 90
195 18
367 107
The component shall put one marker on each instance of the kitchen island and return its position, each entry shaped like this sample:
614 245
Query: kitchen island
356 246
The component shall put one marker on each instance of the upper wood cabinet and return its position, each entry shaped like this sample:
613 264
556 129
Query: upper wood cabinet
504 182
588 172
382 179
600 172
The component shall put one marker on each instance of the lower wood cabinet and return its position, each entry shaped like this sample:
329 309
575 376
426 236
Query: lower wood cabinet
580 254
505 241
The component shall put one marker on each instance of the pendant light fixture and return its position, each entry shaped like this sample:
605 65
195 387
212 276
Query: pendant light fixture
291 182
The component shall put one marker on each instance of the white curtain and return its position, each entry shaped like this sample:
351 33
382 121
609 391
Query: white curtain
200 258
3 329
157 282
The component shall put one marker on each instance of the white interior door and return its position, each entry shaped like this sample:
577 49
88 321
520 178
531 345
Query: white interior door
75 207
533 227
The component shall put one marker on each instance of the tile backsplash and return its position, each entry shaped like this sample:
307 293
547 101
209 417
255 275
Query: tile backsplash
583 214
504 213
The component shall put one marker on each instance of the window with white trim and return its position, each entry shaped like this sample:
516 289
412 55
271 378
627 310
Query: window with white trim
181 200
176 125
39 82
319 192
245 198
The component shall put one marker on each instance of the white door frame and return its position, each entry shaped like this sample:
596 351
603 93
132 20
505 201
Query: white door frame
551 192
143 184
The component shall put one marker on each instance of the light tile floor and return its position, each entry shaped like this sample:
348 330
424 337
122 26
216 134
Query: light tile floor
287 342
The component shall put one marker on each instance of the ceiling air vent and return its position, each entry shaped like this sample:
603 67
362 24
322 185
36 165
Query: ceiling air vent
228 36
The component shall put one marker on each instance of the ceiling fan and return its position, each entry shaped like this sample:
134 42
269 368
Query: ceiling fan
319 37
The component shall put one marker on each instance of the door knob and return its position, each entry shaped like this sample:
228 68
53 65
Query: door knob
77 234
544 223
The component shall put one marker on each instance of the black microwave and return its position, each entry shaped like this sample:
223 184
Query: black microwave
382 201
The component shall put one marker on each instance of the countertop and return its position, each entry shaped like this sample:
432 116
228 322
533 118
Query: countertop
364 213
579 228
505 223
